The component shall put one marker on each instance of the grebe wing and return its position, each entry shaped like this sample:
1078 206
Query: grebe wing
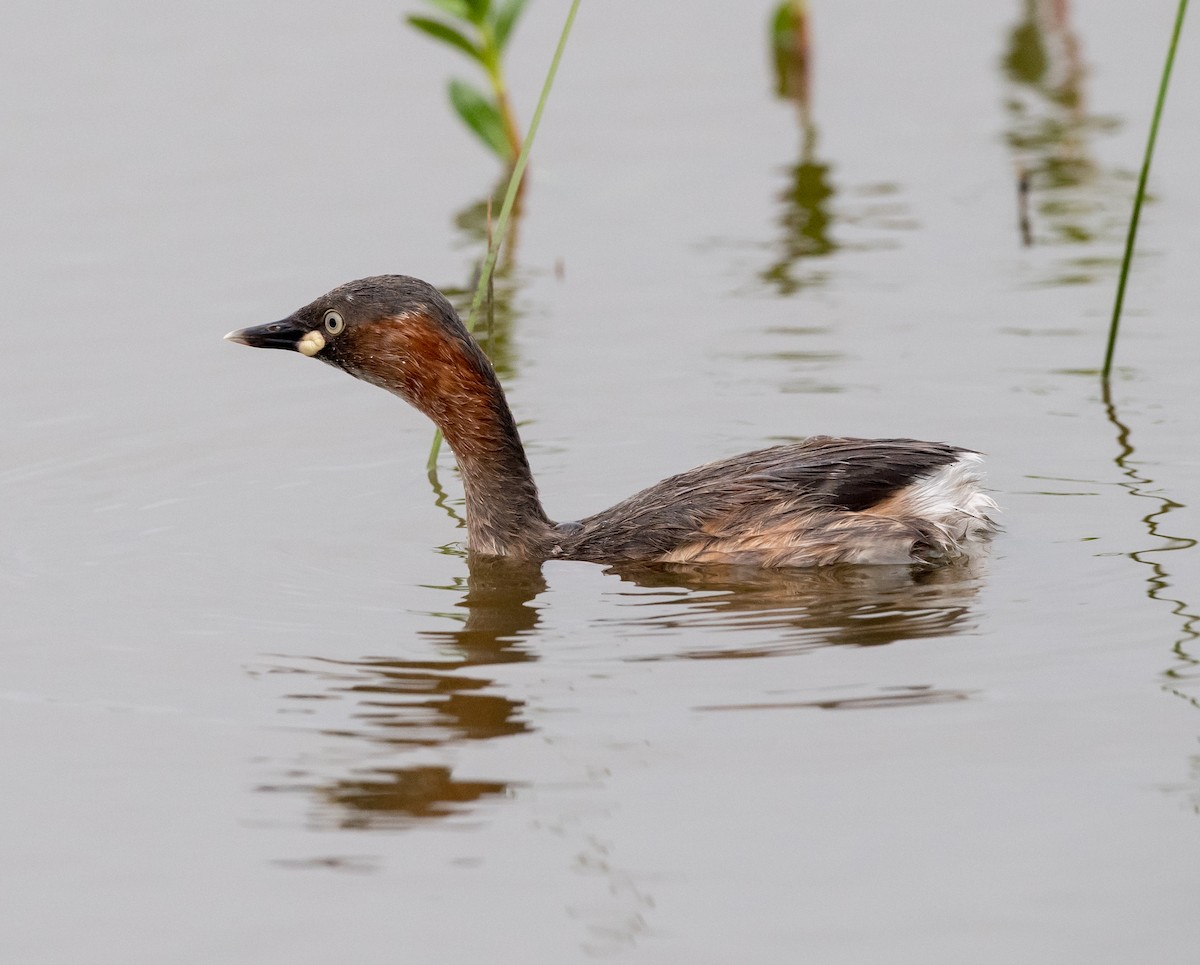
848 474
795 504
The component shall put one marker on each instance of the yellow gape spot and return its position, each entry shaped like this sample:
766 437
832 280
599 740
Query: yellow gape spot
311 344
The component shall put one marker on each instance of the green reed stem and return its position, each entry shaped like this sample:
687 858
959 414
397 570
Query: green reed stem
1131 236
510 196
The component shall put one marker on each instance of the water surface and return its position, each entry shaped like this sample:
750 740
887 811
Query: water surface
258 707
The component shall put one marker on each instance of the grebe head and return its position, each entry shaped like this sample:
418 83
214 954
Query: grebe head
401 334
343 324
394 331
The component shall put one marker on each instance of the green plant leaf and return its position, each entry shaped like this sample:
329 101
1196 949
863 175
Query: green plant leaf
456 8
446 34
481 116
506 19
477 10
783 22
515 177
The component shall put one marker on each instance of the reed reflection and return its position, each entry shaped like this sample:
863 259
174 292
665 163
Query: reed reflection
405 705
1067 197
493 327
1159 584
1183 675
807 216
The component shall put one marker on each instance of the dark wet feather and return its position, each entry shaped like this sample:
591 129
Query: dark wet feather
821 476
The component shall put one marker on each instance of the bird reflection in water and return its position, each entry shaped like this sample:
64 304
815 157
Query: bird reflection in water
791 611
412 704
409 705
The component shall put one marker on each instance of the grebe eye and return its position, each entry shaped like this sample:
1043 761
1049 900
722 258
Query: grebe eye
333 322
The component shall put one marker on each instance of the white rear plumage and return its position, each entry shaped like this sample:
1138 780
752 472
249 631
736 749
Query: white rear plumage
952 499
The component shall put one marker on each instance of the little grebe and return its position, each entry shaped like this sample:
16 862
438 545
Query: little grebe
818 501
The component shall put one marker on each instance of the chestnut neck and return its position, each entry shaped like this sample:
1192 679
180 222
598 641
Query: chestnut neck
504 511
441 371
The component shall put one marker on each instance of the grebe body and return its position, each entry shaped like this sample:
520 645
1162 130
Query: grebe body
821 500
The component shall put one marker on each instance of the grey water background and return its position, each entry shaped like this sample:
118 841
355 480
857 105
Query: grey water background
254 706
